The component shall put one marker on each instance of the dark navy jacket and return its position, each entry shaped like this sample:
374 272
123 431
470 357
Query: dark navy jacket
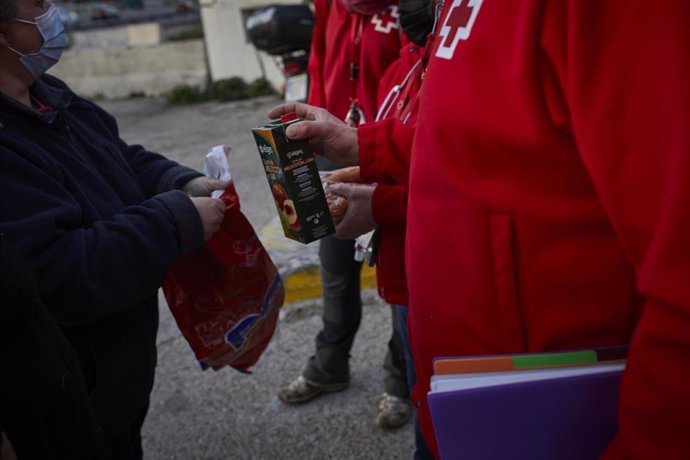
100 223
46 411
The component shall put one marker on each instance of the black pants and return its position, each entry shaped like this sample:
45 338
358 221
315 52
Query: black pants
45 409
127 446
118 358
342 314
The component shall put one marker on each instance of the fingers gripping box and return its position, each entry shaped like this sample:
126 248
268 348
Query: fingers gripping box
294 181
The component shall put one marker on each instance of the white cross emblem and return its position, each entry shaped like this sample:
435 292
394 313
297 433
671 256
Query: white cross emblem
457 26
387 20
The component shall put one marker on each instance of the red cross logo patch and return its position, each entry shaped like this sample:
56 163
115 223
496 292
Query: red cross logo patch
457 26
386 20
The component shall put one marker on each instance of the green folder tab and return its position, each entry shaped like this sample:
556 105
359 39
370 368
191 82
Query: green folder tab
538 360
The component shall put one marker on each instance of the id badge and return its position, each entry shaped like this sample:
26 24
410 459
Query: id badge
355 116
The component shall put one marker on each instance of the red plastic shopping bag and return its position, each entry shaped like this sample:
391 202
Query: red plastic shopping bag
226 296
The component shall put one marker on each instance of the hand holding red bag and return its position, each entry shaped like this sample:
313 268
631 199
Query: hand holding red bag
226 295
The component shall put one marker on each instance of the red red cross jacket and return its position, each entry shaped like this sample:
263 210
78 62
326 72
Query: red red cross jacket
389 202
549 203
333 50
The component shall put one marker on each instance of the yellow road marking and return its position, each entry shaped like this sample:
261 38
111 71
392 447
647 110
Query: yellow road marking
306 284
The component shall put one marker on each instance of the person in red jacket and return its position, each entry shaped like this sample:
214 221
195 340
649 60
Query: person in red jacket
381 205
353 43
552 151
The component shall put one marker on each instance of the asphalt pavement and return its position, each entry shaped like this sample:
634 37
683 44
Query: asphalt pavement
199 414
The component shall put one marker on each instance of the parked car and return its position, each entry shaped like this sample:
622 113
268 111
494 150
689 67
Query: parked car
184 6
69 18
102 11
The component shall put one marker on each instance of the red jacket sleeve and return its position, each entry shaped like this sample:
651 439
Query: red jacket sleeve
389 205
623 75
317 52
384 151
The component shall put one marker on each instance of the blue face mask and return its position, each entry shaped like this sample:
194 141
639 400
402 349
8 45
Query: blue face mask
54 42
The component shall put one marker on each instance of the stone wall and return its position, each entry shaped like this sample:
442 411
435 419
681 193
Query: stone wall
120 73
119 62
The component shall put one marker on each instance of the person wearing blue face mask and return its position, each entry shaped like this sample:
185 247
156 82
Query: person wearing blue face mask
99 222
54 41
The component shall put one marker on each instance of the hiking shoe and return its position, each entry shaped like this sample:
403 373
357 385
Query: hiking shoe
302 390
392 412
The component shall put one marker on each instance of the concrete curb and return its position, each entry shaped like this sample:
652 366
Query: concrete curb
298 264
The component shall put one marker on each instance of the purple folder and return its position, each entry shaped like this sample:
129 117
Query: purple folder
566 418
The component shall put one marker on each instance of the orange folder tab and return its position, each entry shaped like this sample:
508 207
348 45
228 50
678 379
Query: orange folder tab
472 365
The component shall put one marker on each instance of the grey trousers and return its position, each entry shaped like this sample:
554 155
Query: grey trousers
342 314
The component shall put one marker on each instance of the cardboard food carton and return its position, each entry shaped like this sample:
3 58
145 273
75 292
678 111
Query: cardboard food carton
294 180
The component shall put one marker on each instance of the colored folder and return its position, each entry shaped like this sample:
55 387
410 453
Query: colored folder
462 365
561 412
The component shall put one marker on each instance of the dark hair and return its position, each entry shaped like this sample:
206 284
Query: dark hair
8 9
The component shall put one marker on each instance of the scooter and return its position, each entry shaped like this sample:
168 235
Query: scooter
284 32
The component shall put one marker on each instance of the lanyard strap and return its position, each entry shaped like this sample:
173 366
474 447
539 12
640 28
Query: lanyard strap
355 53
405 107
355 116
400 98
413 76
398 93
